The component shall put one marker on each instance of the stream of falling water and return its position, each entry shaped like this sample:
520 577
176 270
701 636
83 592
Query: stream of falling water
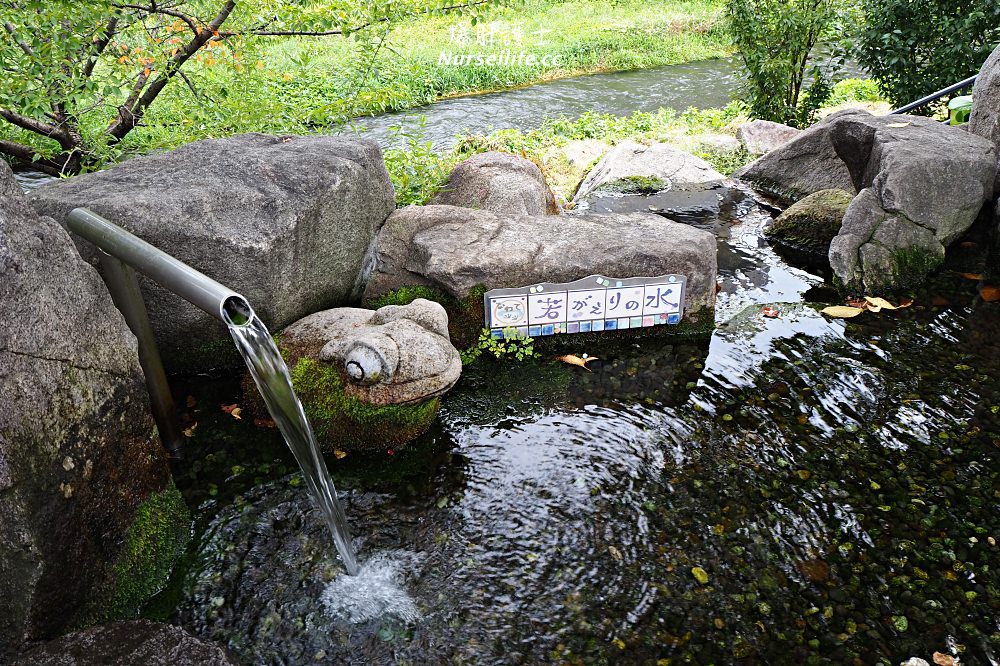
275 384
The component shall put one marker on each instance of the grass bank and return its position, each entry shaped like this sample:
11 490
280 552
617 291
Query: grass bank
295 85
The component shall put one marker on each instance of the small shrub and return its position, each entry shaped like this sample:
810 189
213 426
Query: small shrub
513 345
775 38
417 170
914 48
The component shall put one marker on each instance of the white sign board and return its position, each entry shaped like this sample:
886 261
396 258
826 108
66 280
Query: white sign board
595 303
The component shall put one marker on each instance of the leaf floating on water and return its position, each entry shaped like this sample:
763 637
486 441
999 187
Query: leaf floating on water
265 423
990 294
898 125
189 431
572 359
228 409
942 659
841 311
804 474
905 303
191 401
770 311
236 413
700 575
880 303
972 276
339 454
615 553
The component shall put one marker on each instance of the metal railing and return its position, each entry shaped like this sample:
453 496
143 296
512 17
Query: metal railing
961 85
122 254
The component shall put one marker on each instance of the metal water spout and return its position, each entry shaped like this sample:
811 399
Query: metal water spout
122 254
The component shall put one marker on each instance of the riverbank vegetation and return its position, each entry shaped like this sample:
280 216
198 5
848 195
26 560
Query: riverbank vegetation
418 170
148 76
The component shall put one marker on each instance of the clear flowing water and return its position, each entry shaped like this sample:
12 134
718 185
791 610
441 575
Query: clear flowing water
275 385
793 490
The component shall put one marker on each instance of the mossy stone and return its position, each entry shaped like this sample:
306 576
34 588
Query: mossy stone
342 421
633 185
808 226
155 540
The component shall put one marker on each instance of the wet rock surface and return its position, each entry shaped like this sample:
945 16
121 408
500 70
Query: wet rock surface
78 453
286 221
500 183
134 643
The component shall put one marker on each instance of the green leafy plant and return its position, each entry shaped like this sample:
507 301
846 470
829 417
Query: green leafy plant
915 48
417 170
513 345
775 39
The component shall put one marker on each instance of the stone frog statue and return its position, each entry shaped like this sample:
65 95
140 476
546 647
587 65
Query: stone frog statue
371 380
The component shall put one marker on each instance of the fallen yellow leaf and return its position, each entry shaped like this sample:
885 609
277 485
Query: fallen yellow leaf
880 303
841 311
189 431
340 454
576 360
236 413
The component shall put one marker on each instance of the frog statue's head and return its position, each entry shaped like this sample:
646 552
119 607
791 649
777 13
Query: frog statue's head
352 365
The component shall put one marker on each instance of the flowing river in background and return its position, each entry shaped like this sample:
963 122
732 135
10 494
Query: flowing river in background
703 84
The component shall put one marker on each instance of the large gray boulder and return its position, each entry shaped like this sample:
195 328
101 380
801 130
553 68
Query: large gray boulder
500 183
634 167
78 454
371 379
134 643
286 221
928 180
763 136
985 118
456 250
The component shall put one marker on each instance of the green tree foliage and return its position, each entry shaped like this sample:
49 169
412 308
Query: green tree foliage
775 38
915 47
80 75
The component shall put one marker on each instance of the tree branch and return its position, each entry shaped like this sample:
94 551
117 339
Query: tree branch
166 11
9 27
130 113
25 155
30 124
101 42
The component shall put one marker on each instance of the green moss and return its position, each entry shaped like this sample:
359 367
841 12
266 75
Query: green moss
156 538
633 185
342 421
406 295
911 266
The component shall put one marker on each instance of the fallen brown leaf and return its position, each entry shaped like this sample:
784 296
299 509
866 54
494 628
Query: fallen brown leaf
972 276
989 293
189 431
942 659
191 402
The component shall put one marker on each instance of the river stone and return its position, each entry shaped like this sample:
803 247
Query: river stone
808 226
584 152
456 250
371 379
78 453
763 136
286 221
631 166
133 643
500 183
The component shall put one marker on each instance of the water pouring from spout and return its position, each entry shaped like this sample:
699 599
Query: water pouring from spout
275 384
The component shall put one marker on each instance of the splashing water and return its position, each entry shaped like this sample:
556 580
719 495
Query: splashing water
275 384
375 592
